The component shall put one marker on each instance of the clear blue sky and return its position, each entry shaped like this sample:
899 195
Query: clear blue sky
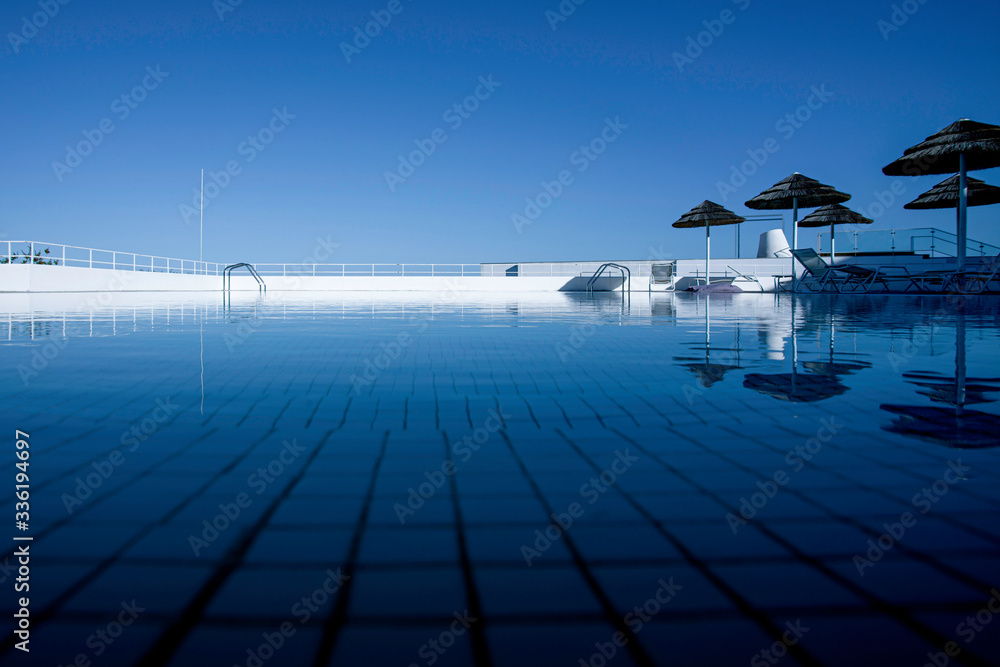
324 174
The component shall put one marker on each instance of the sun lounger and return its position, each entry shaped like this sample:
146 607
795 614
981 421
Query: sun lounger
845 278
967 281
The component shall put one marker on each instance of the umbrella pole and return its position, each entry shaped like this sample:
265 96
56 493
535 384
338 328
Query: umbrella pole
833 245
708 250
963 184
795 236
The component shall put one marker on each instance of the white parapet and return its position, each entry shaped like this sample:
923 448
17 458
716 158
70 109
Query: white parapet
44 278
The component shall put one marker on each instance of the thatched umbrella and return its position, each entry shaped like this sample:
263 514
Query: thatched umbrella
833 214
708 214
962 146
794 192
946 193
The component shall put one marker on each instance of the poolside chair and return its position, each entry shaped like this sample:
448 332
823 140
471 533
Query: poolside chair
846 278
818 274
751 282
663 274
967 281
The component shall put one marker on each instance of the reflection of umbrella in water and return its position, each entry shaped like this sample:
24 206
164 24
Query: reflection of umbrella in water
962 146
955 426
833 214
795 387
798 387
831 367
707 372
794 192
708 214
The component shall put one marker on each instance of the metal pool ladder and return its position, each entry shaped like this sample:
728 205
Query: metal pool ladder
227 277
626 276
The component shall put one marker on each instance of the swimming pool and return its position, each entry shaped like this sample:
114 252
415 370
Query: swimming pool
531 479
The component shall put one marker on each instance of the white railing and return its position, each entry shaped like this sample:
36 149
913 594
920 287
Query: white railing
57 254
918 241
368 269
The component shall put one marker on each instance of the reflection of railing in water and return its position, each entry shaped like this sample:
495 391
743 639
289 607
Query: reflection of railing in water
917 241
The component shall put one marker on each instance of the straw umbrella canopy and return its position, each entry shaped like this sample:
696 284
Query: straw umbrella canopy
794 192
962 146
946 193
833 214
708 214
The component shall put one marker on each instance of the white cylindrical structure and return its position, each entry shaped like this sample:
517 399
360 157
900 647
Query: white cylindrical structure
773 244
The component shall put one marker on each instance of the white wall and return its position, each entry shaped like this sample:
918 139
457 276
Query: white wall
44 278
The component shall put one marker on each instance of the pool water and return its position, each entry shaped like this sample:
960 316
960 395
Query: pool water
521 479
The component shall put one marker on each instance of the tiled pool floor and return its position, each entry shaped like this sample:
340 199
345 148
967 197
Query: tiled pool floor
514 480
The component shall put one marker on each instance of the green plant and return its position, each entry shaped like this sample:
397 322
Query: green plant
24 257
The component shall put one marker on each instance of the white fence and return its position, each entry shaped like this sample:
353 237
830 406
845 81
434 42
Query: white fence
57 254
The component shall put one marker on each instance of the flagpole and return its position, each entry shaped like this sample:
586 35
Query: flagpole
201 219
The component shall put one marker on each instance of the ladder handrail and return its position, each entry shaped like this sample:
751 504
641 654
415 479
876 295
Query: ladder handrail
597 274
227 274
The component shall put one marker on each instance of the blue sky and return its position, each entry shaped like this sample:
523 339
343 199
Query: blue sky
266 90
